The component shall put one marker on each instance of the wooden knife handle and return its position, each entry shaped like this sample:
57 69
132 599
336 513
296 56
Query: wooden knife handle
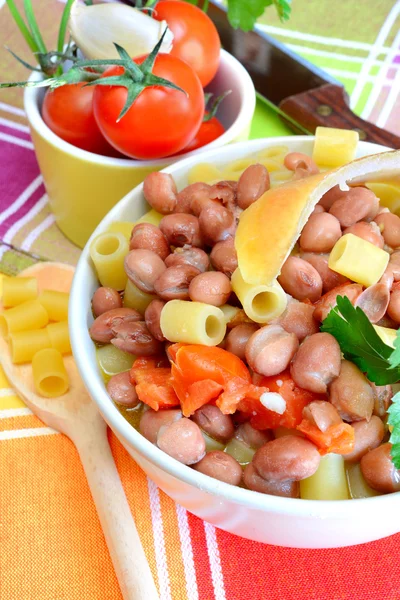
328 106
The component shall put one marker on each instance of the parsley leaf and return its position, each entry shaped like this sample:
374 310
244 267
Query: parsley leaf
395 356
360 343
243 14
394 423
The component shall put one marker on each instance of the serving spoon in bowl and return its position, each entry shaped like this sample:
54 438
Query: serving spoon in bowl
75 415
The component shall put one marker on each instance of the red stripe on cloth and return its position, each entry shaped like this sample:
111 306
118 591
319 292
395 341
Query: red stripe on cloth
19 168
22 211
11 130
200 555
262 572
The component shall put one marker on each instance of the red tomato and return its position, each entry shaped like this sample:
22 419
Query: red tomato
161 120
296 399
68 112
196 39
209 131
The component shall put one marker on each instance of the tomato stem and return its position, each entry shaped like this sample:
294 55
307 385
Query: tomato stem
215 105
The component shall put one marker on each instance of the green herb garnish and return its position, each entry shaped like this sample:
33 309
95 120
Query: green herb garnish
394 423
361 344
244 14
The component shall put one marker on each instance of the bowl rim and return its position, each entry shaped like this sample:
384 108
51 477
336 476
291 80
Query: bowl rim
243 83
339 509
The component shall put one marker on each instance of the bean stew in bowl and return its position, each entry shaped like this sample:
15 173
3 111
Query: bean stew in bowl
236 318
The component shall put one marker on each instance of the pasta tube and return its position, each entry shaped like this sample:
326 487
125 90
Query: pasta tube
230 312
108 251
358 260
28 315
25 344
261 303
135 298
152 216
56 304
124 227
388 194
49 373
19 289
204 172
386 334
112 360
334 147
193 323
328 482
59 337
276 152
358 487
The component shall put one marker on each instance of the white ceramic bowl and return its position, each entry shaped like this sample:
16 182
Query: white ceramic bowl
270 519
83 187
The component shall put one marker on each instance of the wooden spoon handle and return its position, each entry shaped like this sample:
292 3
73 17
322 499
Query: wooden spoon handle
127 554
328 106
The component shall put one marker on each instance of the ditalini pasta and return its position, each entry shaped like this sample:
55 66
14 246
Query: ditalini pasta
334 147
329 482
25 316
49 373
17 290
108 251
261 303
124 227
152 216
193 323
135 298
55 303
59 336
204 172
387 334
25 344
230 312
358 260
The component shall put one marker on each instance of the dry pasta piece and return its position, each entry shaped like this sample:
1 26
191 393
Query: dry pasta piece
25 344
17 290
56 304
25 316
2 279
358 259
334 147
329 482
49 373
193 323
59 336
135 298
261 303
108 251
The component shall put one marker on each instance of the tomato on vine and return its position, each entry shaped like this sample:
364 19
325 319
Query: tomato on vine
196 39
151 107
68 112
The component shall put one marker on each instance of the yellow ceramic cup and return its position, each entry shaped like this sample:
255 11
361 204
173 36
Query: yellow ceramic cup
83 187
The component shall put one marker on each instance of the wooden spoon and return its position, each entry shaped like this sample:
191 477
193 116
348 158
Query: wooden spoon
75 415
